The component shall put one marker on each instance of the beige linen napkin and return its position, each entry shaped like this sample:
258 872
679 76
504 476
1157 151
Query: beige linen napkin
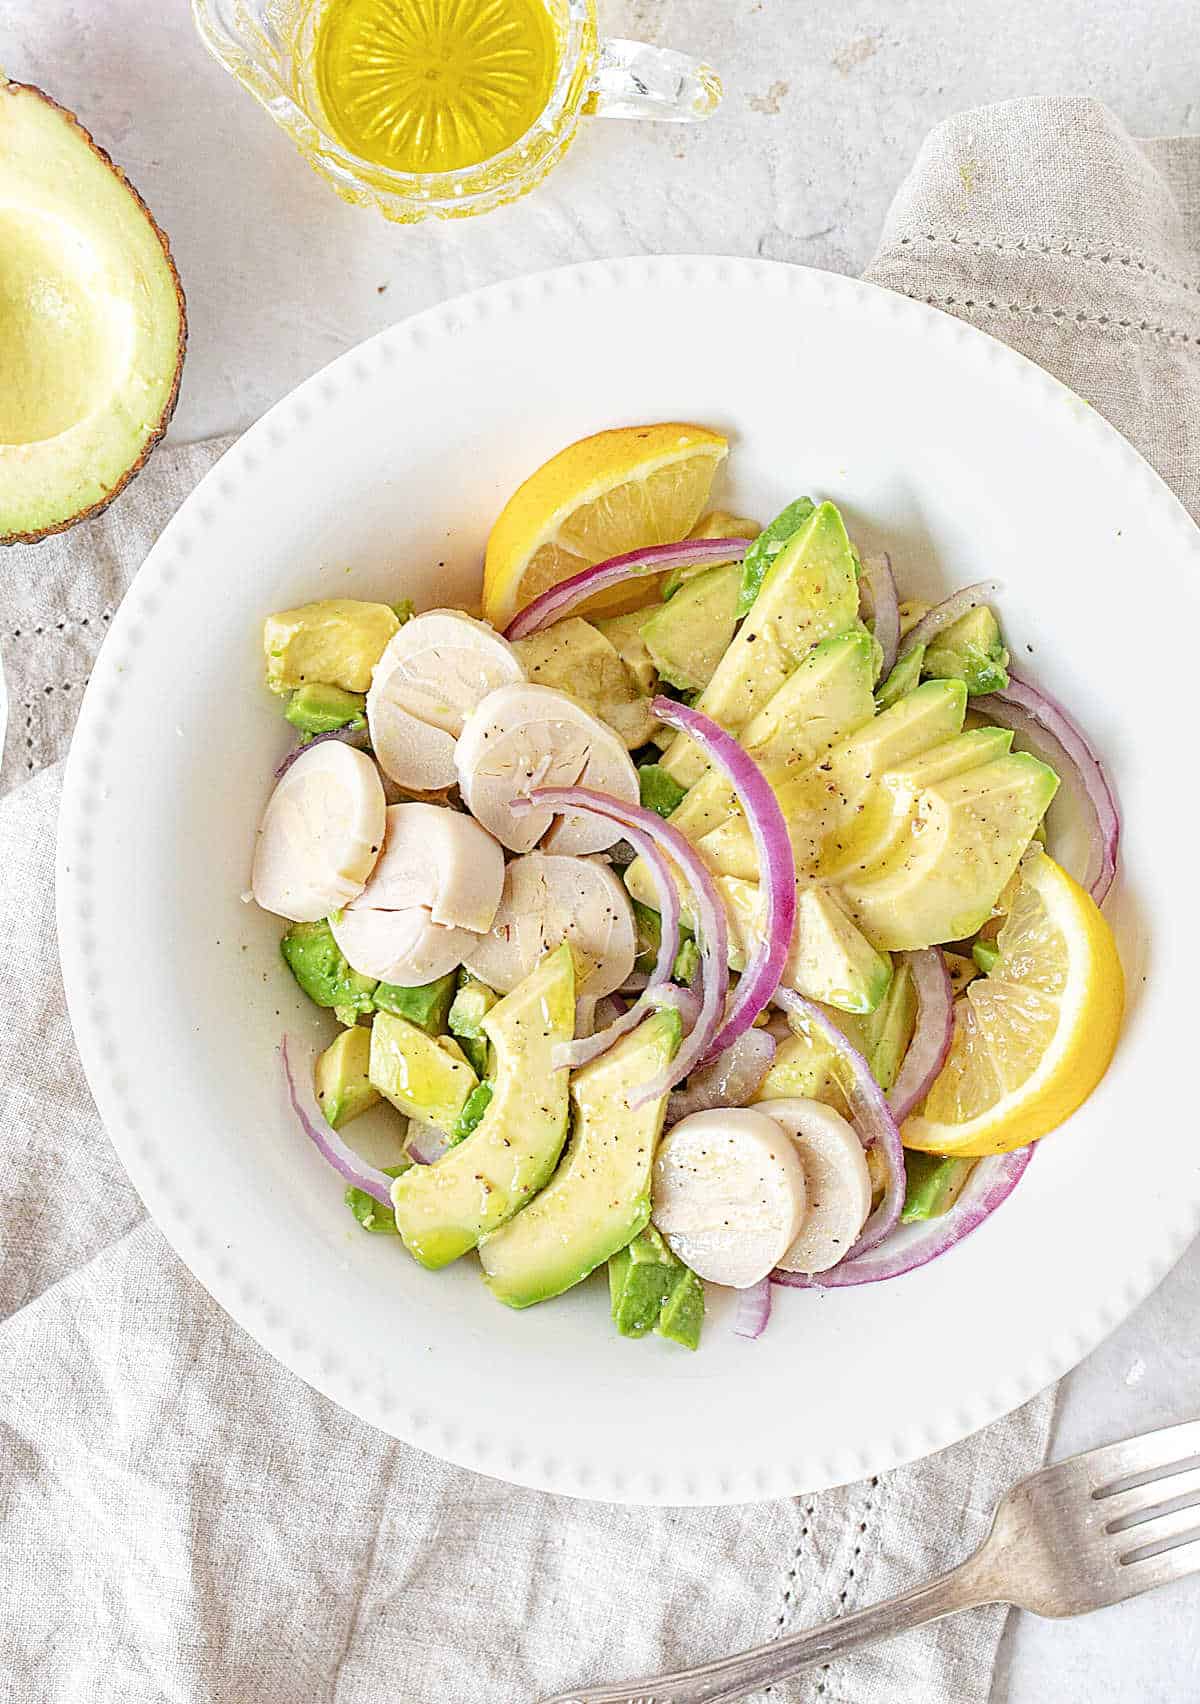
183 1520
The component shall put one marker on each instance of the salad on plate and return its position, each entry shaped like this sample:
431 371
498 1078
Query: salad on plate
691 907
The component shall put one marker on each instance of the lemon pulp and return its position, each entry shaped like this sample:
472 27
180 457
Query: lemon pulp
433 85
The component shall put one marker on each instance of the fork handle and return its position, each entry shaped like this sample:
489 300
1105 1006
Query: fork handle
729 1678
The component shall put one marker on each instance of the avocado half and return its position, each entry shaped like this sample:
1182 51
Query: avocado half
93 324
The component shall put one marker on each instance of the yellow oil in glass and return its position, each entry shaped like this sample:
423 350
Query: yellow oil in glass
433 85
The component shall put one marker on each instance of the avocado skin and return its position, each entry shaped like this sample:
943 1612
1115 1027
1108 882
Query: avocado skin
319 709
659 791
319 966
766 548
154 436
934 1183
427 1005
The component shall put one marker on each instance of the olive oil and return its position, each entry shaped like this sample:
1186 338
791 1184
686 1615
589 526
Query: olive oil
432 85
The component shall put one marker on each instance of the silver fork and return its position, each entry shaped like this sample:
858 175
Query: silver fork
1090 1531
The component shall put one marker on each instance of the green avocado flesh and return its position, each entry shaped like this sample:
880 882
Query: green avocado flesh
427 1005
343 1084
972 650
319 709
423 1076
904 678
966 838
687 637
810 593
316 961
333 642
658 791
651 1290
766 548
934 1184
92 323
445 1209
599 1198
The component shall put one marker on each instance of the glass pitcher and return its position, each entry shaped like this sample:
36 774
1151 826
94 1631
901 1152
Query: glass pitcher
268 46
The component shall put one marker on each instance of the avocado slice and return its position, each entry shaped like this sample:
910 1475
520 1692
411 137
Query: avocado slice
882 1036
445 1209
965 841
659 791
802 1066
822 701
343 1086
809 593
599 1198
575 657
427 1005
823 805
624 634
319 966
372 1215
886 813
986 955
767 546
650 1289
687 637
418 1074
972 650
830 959
473 1109
904 678
933 1184
471 1004
319 709
336 641
92 321
681 1318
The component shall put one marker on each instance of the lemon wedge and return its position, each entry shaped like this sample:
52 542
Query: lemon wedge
1033 1037
619 490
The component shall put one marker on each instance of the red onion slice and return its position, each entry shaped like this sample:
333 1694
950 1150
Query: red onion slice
931 1038
572 1054
357 737
424 1142
708 910
870 1115
732 1079
879 583
776 864
327 1141
753 1310
988 1187
552 605
950 610
1043 725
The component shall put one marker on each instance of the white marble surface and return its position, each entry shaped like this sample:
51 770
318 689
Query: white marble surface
826 103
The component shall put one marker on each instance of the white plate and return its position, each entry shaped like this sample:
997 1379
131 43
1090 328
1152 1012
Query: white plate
380 477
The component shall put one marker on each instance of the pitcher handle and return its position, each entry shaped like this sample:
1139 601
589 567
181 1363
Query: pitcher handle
634 80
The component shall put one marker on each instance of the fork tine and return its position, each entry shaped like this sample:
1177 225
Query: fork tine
1122 1505
1163 1569
1179 1523
1152 1451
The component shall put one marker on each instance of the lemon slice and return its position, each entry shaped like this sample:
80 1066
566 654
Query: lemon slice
1034 1037
619 490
